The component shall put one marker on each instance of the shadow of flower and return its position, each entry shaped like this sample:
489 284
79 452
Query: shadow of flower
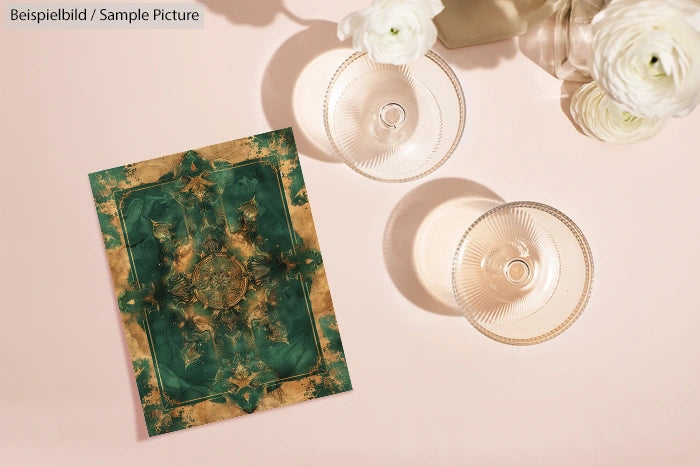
240 11
568 89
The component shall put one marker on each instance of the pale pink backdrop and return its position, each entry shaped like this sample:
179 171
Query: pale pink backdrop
621 387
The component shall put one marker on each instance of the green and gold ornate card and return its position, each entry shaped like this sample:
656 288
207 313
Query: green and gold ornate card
220 282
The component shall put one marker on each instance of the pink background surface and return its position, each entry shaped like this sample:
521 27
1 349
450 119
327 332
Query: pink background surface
621 387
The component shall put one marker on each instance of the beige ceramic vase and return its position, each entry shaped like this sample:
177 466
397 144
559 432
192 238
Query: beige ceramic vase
470 22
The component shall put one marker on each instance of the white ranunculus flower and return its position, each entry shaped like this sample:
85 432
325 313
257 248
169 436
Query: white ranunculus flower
646 55
392 31
603 118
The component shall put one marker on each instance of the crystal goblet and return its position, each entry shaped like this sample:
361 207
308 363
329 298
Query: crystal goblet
394 123
522 273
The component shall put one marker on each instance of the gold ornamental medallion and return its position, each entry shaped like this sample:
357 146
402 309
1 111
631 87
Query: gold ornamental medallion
219 281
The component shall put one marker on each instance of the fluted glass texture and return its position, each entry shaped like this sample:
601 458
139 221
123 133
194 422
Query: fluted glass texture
522 273
394 123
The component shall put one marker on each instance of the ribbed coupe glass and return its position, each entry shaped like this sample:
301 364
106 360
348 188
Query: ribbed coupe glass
394 123
522 273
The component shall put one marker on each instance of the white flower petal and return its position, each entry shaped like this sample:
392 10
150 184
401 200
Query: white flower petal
601 117
393 31
352 23
646 55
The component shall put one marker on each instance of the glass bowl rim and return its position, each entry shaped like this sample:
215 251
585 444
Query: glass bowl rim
583 299
449 72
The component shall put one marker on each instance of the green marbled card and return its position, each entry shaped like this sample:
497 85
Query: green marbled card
220 282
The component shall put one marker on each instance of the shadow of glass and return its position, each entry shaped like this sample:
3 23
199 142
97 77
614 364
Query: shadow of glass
422 235
294 86
295 80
